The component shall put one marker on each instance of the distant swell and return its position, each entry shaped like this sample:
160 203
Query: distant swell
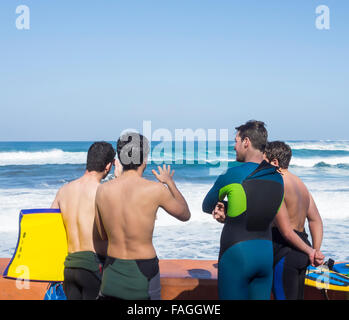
339 162
60 157
54 156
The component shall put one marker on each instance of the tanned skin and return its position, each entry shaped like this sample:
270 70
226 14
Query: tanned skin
76 200
126 210
300 206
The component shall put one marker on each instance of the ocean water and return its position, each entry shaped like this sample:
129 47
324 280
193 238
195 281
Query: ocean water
32 172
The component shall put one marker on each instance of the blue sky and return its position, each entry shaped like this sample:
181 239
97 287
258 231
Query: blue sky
86 70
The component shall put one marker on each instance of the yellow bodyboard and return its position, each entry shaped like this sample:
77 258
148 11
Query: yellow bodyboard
41 247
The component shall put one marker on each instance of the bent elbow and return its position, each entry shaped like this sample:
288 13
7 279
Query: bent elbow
206 207
186 215
285 232
287 238
288 235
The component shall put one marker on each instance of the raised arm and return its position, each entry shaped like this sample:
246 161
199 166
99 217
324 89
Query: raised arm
171 200
283 223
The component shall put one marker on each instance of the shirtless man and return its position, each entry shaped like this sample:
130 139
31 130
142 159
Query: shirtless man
290 264
76 200
125 213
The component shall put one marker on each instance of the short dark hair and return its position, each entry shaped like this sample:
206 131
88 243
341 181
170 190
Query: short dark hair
256 132
99 155
279 150
132 148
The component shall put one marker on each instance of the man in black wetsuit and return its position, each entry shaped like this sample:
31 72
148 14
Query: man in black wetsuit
290 264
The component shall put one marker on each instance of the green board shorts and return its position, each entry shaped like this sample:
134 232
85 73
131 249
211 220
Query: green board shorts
131 279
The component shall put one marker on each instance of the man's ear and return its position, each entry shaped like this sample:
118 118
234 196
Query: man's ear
108 166
246 142
275 162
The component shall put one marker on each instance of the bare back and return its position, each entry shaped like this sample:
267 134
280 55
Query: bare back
297 200
76 201
128 206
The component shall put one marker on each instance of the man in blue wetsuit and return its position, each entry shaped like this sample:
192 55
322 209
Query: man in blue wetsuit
254 190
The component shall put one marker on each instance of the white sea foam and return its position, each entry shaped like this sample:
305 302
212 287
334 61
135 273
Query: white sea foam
320 145
54 156
331 204
12 201
194 194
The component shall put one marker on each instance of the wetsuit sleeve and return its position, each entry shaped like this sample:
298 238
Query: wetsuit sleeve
212 196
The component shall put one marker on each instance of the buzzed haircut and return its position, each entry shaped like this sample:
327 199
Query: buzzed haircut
256 132
132 149
99 155
279 150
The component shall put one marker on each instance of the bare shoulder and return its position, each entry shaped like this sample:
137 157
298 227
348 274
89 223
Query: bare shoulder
70 186
297 183
291 178
103 187
156 187
64 189
61 195
298 180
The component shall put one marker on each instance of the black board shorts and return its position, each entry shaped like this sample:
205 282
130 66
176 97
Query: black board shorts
82 275
290 266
